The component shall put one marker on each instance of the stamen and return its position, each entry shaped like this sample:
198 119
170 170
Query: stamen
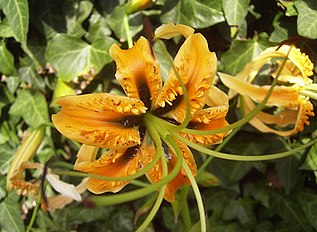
168 107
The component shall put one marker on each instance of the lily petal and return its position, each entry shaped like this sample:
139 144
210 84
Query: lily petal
302 114
138 71
86 154
98 119
283 96
208 119
112 163
168 31
156 174
196 66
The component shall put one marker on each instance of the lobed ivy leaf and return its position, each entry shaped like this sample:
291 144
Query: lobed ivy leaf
235 11
307 18
98 27
17 13
289 210
76 12
6 60
48 17
31 106
287 170
29 75
308 201
73 57
115 22
197 14
5 97
5 29
5 158
10 217
240 53
283 30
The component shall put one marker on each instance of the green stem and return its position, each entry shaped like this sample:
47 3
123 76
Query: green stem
127 30
185 94
218 148
185 209
38 202
244 157
158 202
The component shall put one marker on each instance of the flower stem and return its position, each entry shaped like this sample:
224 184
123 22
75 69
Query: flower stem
38 202
185 94
193 184
244 157
160 197
127 30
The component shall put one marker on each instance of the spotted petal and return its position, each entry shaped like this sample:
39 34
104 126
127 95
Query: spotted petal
196 66
112 163
99 119
138 71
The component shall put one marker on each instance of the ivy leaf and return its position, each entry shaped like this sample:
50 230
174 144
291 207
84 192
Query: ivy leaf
32 107
235 11
308 201
77 12
29 75
282 31
287 170
5 158
5 98
6 60
17 12
116 24
198 14
289 210
48 17
10 218
307 18
73 57
240 53
5 29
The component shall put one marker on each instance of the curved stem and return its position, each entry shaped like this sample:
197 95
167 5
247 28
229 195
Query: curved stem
160 197
192 182
244 157
185 94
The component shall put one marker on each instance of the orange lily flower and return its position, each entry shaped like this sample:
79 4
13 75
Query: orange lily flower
290 96
103 120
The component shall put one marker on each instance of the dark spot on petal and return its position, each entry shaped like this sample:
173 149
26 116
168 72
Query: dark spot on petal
144 93
130 153
131 121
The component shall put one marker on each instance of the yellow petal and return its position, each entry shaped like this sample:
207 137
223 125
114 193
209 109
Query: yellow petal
86 154
138 71
112 163
156 174
168 31
216 97
282 96
99 120
196 66
302 117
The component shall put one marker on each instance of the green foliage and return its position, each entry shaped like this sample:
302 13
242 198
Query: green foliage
50 48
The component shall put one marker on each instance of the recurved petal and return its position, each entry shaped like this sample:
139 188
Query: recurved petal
156 174
283 96
138 71
99 119
168 31
301 118
208 119
112 163
196 66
